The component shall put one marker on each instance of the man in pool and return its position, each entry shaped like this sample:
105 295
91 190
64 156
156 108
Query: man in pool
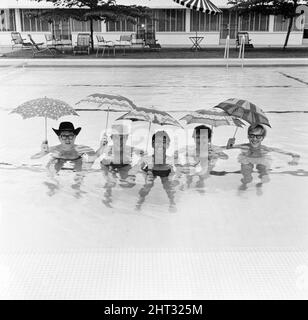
67 150
256 154
158 165
118 161
118 156
199 159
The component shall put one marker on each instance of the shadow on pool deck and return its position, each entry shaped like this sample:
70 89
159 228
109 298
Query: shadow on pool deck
175 53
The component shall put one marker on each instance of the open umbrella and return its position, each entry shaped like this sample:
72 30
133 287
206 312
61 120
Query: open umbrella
46 108
105 102
212 117
151 115
205 6
245 110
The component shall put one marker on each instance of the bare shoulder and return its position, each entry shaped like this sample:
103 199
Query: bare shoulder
55 148
83 148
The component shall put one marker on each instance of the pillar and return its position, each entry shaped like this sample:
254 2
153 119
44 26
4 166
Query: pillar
187 21
271 23
18 20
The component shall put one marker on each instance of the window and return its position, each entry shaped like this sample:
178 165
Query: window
84 26
253 21
281 23
164 20
122 25
31 23
200 21
7 20
169 20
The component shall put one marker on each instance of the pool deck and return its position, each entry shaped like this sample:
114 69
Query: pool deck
152 62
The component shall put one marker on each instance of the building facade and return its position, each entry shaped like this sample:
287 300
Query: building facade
172 23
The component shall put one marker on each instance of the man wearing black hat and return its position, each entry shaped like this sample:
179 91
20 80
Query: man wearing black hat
67 150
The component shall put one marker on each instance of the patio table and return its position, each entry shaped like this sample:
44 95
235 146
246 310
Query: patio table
196 42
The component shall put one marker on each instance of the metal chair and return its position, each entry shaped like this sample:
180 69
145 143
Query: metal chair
104 44
83 43
38 48
17 40
125 41
151 42
244 34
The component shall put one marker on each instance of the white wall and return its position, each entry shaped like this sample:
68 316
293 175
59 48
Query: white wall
5 38
182 39
275 38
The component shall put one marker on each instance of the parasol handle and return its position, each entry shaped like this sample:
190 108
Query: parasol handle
235 132
150 124
45 128
107 120
186 145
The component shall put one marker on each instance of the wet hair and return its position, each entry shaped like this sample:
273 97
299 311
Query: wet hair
198 129
163 134
257 126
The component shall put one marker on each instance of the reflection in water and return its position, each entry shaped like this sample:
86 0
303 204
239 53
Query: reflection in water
174 178
53 168
116 173
168 184
193 170
262 165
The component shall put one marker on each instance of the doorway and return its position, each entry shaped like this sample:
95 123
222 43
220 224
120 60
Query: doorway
228 24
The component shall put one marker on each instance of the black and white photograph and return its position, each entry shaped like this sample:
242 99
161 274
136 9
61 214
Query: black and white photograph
153 150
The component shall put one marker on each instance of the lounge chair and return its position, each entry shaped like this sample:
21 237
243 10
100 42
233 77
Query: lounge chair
58 43
66 41
83 43
104 44
49 40
17 40
151 42
125 41
137 40
239 36
38 47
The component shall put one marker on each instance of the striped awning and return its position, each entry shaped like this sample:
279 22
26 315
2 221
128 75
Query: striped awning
205 6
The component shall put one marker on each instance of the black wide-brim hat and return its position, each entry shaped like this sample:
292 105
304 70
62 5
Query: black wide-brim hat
66 126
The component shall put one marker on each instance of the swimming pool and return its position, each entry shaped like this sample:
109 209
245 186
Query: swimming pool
36 215
222 209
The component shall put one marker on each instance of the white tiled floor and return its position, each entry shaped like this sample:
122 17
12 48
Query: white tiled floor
155 274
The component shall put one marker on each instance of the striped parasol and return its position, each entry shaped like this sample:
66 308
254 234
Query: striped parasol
212 117
151 115
105 102
205 6
245 110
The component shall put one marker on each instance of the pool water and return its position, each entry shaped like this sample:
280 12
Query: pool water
220 211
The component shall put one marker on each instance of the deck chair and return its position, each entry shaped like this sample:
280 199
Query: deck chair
244 34
38 48
124 42
83 43
17 40
151 42
66 40
137 40
104 44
